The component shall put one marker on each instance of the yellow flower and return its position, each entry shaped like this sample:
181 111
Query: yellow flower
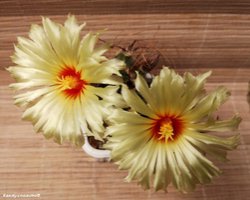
164 137
61 74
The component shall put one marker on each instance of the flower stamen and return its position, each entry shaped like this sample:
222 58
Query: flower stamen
167 128
70 82
166 131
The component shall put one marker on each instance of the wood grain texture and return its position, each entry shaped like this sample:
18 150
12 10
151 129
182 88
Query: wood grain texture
185 40
193 36
96 7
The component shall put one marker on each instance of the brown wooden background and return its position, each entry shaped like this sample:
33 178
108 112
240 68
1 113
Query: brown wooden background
192 35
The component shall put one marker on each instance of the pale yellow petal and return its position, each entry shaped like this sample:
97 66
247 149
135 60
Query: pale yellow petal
123 130
102 72
120 116
38 50
27 98
92 111
167 89
109 94
187 181
142 88
208 104
99 51
141 161
216 151
86 49
73 30
26 74
30 59
53 116
227 143
64 40
161 178
137 103
213 125
30 84
134 143
203 169
194 89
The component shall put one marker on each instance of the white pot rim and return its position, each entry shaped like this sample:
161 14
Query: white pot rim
91 151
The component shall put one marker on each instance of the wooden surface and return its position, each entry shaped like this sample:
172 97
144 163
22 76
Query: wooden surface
192 35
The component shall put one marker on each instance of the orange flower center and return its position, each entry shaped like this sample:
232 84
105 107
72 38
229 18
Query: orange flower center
167 128
71 82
